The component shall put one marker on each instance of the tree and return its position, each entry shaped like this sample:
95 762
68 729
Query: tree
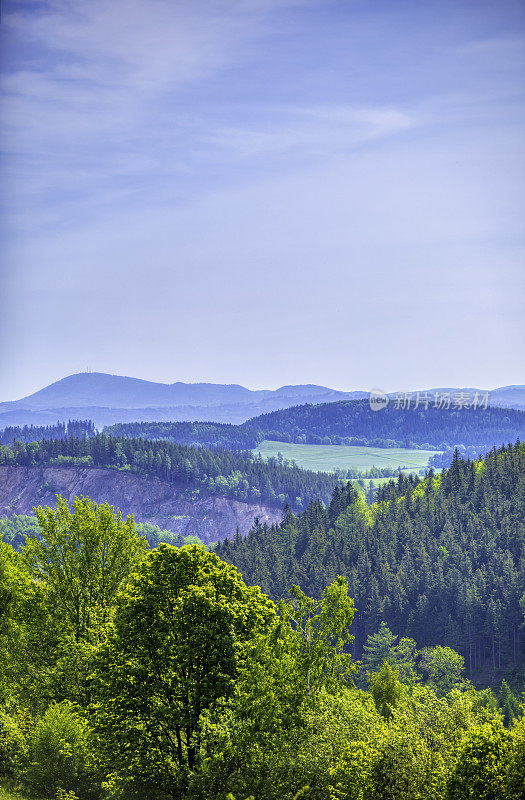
444 668
16 596
508 703
177 644
378 647
482 764
386 689
515 784
83 557
321 632
294 707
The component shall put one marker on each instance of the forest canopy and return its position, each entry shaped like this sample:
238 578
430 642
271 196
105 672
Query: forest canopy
348 422
164 675
440 559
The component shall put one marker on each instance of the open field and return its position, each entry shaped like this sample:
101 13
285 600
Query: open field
327 458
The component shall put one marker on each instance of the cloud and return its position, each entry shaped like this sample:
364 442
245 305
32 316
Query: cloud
94 91
315 130
145 46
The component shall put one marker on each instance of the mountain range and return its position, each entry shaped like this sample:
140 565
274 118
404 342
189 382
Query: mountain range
107 399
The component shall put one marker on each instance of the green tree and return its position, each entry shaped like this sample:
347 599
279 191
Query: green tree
386 689
515 782
378 648
481 770
82 557
444 668
58 751
178 642
321 630
508 703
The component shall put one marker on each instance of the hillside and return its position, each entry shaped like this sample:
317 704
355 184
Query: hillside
149 499
348 423
343 422
439 559
217 471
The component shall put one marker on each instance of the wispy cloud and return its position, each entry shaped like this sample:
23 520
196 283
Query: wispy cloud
95 90
314 131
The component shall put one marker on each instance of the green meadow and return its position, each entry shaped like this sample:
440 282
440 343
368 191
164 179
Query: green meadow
327 458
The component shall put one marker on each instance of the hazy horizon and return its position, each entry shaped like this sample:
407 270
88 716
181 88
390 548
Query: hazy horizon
414 388
263 192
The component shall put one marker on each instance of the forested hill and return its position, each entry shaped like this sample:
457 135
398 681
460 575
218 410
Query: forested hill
348 423
339 423
219 471
441 559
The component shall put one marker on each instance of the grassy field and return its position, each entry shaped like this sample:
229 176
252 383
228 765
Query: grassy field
327 458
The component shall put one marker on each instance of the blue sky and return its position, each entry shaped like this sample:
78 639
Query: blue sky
263 192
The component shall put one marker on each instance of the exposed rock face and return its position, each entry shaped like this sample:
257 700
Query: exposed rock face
149 499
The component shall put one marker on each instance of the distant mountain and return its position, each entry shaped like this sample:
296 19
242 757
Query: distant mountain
109 399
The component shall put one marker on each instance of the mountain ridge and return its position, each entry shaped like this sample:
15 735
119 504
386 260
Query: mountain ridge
106 399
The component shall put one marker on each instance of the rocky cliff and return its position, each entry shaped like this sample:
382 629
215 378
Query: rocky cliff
149 499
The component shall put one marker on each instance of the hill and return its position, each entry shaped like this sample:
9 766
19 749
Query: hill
439 559
344 422
349 423
199 470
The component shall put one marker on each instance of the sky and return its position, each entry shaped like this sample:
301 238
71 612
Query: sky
263 192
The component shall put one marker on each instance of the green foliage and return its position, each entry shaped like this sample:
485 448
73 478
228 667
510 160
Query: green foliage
83 557
132 675
378 647
444 668
508 703
58 751
439 562
14 727
178 640
481 769
386 689
515 782
14 530
321 633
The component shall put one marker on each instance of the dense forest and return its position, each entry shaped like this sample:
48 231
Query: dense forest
209 434
439 559
35 433
136 674
427 428
219 471
348 423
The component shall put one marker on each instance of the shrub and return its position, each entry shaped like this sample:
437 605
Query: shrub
57 751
